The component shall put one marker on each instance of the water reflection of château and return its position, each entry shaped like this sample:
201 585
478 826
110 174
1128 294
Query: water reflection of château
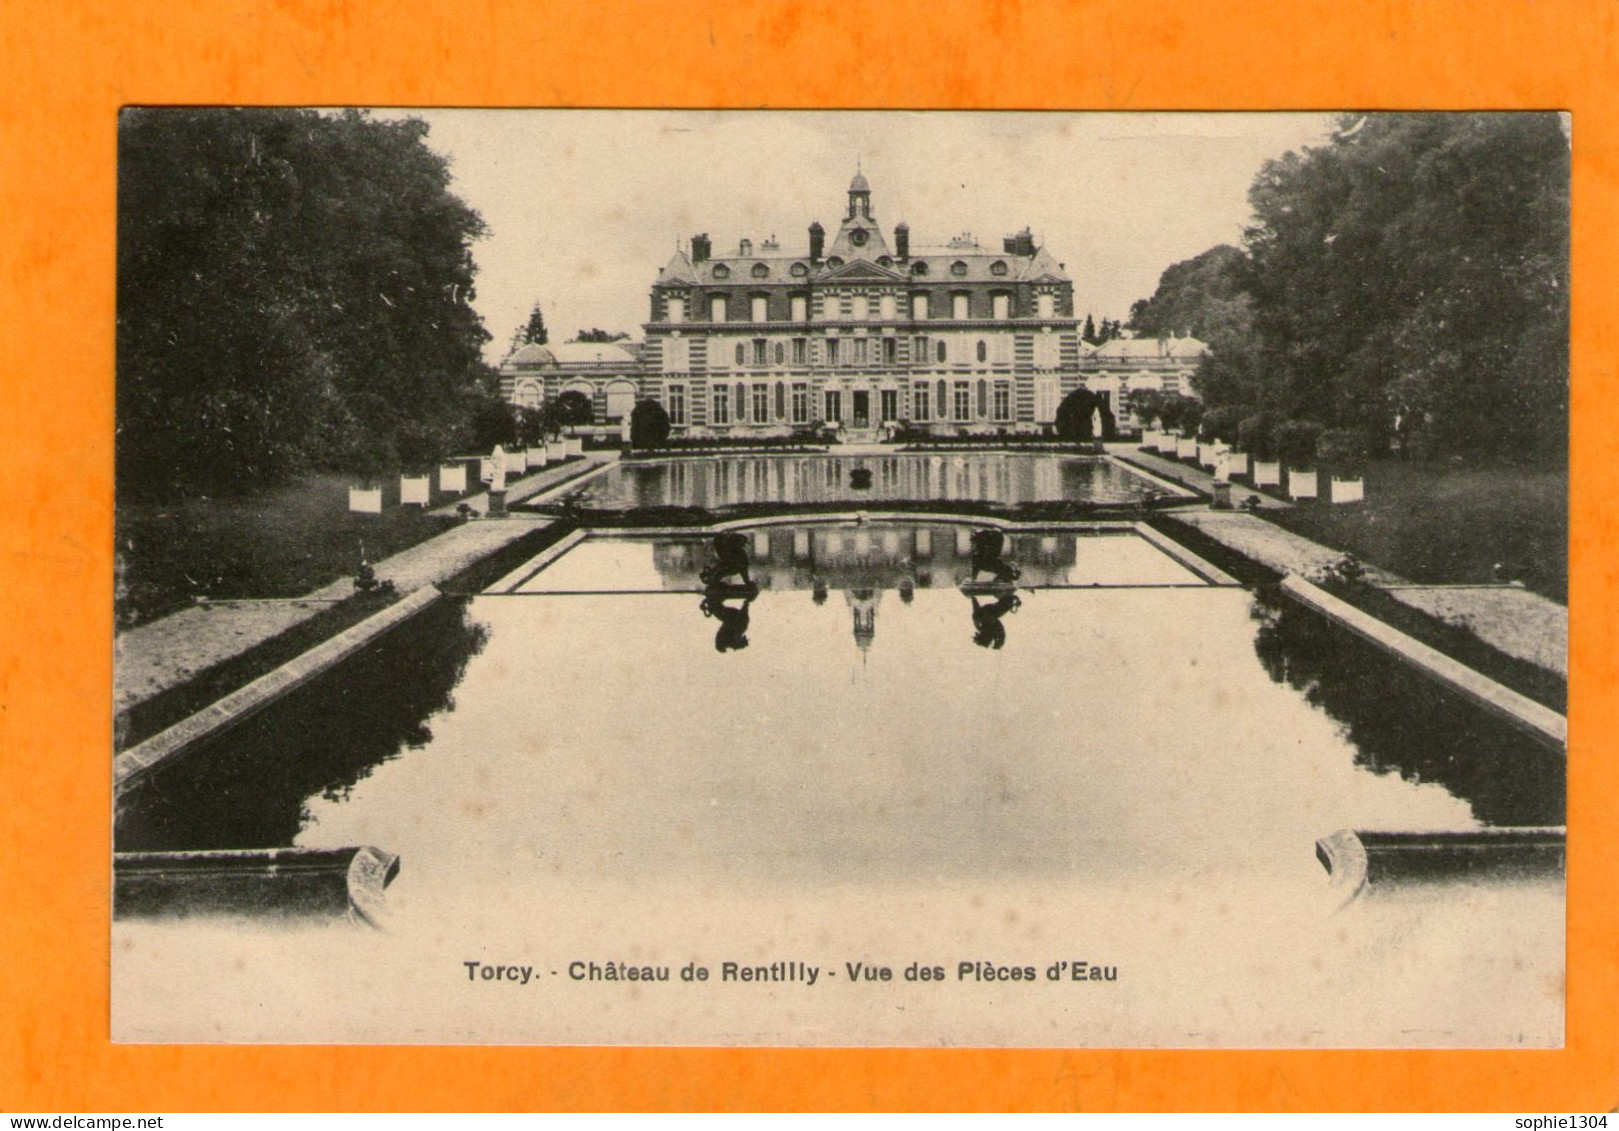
999 478
849 557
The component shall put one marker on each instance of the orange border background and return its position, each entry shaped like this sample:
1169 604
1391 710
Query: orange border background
69 67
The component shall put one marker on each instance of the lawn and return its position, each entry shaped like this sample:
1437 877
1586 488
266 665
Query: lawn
281 542
1443 524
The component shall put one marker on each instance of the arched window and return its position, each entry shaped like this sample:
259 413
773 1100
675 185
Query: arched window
958 268
938 348
835 262
998 267
741 412
620 400
528 395
760 271
799 270
983 354
781 353
920 267
944 393
721 271
741 354
983 397
884 261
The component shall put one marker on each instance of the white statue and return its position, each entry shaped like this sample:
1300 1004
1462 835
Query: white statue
497 469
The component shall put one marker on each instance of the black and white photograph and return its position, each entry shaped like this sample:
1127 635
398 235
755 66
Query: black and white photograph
841 578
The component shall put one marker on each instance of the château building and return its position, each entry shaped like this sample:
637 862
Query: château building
862 334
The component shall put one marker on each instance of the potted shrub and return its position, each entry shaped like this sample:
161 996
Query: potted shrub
1191 419
1218 427
367 497
574 409
1296 442
1256 435
1344 452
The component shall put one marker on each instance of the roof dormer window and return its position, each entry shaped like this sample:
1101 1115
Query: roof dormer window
721 271
998 267
800 270
835 262
760 271
958 268
885 261
920 267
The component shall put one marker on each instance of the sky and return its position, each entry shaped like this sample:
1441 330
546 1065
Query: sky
584 206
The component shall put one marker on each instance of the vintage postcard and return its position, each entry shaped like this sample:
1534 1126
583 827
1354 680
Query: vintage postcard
865 578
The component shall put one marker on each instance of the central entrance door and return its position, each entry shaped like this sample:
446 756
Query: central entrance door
862 408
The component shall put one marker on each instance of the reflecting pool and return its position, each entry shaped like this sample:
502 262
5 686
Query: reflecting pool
1002 478
1118 762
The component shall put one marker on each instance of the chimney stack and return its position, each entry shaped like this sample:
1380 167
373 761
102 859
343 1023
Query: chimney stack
1020 244
746 248
701 249
817 236
902 240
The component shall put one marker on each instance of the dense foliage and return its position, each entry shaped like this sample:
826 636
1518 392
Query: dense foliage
293 289
649 425
1407 280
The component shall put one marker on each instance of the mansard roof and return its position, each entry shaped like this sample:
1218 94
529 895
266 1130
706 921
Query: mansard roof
1139 349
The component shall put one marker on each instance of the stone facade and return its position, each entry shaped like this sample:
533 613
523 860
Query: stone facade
862 334
1122 366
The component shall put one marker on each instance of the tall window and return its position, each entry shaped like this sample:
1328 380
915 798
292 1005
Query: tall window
716 308
862 308
741 354
1045 400
983 350
1003 306
1046 305
831 351
919 351
761 404
781 401
760 308
919 401
890 351
963 404
800 351
958 306
1003 400
781 353
675 308
758 351
919 307
800 308
800 404
858 348
722 405
887 307
677 404
889 399
834 406
939 351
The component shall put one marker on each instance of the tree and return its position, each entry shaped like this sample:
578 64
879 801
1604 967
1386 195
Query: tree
1417 267
293 289
570 410
1076 416
649 425
1199 297
596 334
533 332
1089 333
